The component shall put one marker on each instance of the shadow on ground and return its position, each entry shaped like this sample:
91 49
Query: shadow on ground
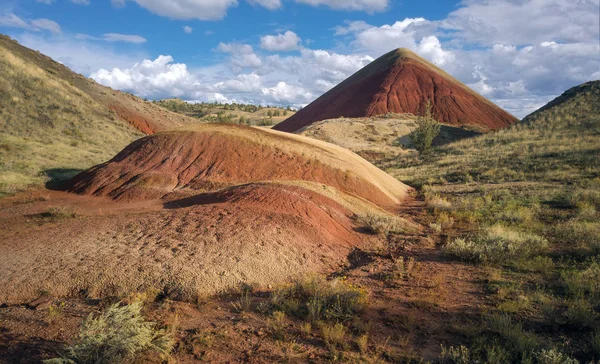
58 176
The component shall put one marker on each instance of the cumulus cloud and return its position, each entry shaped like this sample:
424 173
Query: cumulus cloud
127 38
148 77
187 29
269 4
369 6
287 41
525 22
46 24
242 55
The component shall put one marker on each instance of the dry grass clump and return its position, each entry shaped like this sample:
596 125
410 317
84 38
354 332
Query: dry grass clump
317 299
118 335
497 245
381 224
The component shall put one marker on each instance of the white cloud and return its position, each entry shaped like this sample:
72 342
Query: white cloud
81 2
281 42
242 55
79 55
118 3
188 29
189 9
269 4
47 2
148 77
369 6
46 24
525 22
13 21
127 38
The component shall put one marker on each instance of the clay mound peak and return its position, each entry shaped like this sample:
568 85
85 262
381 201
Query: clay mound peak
402 82
207 157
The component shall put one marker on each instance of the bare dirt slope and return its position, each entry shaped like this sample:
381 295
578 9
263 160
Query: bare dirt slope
401 82
208 156
194 211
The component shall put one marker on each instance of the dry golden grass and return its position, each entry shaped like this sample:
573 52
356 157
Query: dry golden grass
47 124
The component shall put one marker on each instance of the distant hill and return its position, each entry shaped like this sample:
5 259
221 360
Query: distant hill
228 113
54 121
580 102
402 82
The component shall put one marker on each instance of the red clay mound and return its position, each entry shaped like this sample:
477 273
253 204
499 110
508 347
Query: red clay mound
401 82
262 233
206 157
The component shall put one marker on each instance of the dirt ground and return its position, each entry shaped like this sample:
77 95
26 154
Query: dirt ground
407 318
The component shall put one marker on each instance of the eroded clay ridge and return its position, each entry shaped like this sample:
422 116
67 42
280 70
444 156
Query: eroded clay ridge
206 157
401 82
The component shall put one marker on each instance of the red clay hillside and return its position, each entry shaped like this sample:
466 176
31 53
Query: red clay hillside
401 82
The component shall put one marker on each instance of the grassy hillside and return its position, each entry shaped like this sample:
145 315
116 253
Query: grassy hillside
49 127
523 202
228 113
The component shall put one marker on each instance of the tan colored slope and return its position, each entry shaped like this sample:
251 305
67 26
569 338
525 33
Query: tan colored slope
402 82
378 139
204 157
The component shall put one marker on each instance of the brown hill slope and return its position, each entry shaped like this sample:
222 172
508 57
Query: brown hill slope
210 156
401 82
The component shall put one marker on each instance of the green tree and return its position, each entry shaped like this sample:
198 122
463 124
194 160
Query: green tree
427 129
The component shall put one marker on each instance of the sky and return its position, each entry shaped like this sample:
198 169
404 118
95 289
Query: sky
518 53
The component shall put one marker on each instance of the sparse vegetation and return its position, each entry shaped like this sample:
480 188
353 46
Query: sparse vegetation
382 224
117 335
497 245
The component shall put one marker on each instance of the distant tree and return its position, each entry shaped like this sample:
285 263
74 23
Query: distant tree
284 112
427 129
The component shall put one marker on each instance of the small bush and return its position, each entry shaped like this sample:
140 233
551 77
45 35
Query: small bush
382 224
427 130
497 245
243 303
116 336
455 355
436 202
316 299
584 283
580 313
333 334
554 356
512 333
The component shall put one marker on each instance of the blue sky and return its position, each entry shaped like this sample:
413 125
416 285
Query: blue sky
519 54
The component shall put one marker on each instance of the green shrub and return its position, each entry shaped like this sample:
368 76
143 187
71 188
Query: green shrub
497 245
584 283
117 335
427 129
